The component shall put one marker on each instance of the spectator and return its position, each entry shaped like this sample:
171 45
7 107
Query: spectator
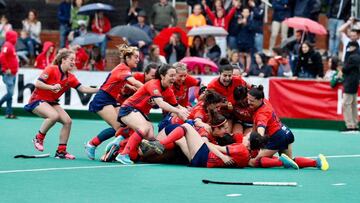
75 18
46 57
293 48
175 50
81 31
348 34
132 12
9 68
281 11
212 50
63 15
5 26
143 46
22 49
101 25
97 63
82 57
257 18
337 76
221 20
235 62
163 15
259 67
351 84
310 63
197 48
279 63
333 64
246 38
196 19
33 27
154 56
233 29
339 11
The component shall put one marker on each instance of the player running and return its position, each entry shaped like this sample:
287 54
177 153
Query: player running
52 83
106 101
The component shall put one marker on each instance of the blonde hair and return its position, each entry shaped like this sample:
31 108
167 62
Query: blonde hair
180 66
62 54
126 50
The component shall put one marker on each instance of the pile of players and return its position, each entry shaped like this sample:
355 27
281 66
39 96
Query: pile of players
232 124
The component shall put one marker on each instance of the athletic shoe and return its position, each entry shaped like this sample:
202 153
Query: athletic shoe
287 162
155 145
115 141
111 153
64 155
124 159
322 162
90 150
38 144
347 130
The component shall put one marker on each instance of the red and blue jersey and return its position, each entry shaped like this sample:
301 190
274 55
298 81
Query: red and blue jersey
116 80
143 98
181 91
242 112
264 116
238 153
52 75
228 91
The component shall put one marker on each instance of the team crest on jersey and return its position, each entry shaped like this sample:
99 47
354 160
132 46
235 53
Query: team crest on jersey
156 91
45 76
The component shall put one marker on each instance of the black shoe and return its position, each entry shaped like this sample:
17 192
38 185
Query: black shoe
349 130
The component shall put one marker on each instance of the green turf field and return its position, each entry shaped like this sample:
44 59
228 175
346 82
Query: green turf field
82 180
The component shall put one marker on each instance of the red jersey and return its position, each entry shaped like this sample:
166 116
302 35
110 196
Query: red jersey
182 91
142 99
238 152
264 116
204 133
198 111
228 91
81 58
54 75
116 80
242 112
140 77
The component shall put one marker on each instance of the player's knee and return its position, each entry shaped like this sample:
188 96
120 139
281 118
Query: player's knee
67 121
54 117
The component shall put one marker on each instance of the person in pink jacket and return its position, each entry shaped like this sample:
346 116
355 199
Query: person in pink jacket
9 68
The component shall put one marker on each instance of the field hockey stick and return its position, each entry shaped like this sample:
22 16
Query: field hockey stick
292 184
31 156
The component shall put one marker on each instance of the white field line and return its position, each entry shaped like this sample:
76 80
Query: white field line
134 165
74 168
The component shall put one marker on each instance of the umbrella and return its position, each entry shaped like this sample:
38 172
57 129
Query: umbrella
129 32
88 38
163 37
2 4
193 62
306 25
208 30
90 9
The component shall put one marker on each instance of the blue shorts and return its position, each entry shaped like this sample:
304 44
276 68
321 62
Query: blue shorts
281 139
201 157
100 100
31 106
165 122
126 110
170 128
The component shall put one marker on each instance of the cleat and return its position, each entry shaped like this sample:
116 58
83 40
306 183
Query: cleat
287 162
155 145
64 155
111 154
116 142
124 159
38 144
322 162
90 150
